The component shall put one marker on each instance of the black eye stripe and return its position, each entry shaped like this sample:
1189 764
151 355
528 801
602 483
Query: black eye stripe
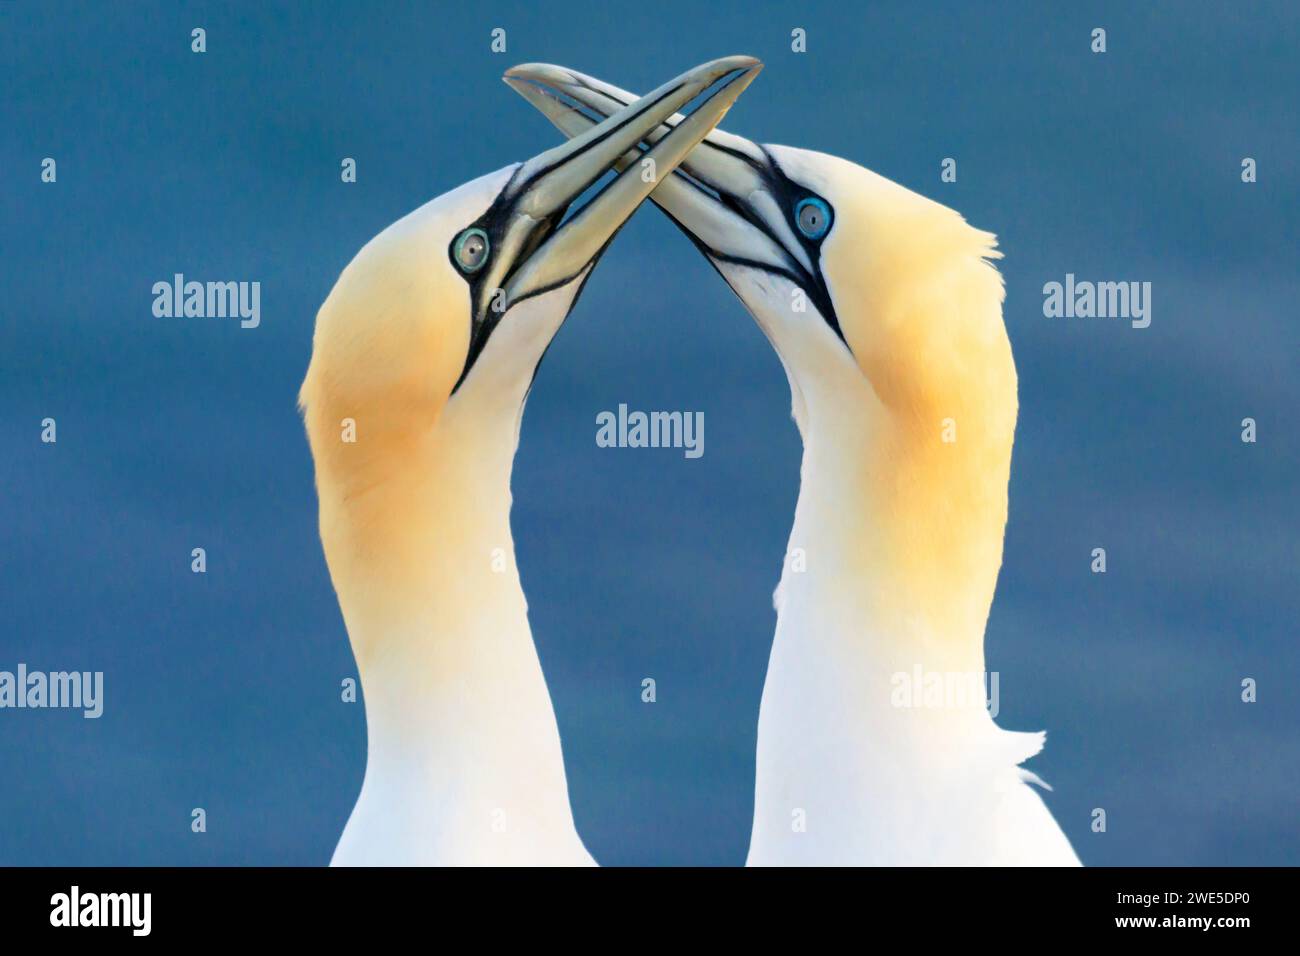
791 195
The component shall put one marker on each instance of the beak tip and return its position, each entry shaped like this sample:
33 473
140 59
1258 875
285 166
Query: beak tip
749 64
539 72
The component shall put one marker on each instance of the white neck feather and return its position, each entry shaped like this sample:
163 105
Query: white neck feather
856 764
464 762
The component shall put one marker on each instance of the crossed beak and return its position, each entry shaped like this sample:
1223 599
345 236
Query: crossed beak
727 195
535 249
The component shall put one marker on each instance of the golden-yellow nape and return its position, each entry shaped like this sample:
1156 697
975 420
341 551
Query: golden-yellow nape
919 305
392 336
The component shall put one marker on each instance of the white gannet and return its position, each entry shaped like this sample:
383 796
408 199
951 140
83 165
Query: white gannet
423 356
887 315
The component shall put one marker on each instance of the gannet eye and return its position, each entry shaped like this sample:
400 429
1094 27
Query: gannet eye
471 250
813 217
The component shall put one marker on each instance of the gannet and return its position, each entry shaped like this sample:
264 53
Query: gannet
887 315
424 353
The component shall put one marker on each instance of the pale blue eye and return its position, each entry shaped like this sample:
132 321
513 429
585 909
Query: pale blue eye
813 217
471 250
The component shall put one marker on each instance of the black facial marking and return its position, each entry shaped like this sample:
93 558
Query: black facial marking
482 317
495 222
788 194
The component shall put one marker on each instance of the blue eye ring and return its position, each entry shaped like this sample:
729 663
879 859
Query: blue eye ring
470 256
813 217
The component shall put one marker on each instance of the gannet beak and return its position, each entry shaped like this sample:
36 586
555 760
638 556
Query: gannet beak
533 252
548 183
741 214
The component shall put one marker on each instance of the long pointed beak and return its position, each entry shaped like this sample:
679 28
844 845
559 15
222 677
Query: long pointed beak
740 215
538 256
533 248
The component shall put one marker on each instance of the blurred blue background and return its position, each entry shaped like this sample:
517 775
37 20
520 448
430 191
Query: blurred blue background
222 690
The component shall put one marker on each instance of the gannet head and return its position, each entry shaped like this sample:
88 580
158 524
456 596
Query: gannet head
439 322
887 315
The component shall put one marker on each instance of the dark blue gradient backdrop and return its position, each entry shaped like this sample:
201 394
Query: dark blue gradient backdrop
222 689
